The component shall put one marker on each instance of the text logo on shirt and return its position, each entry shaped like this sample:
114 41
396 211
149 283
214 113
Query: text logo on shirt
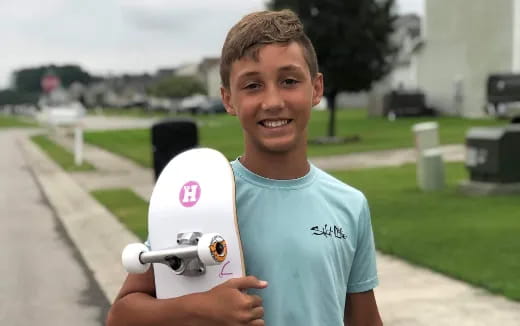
190 194
331 231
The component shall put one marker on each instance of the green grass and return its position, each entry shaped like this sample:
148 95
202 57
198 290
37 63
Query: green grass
223 133
468 238
60 155
11 122
131 209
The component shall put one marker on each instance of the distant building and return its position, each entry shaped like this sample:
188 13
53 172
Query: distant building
209 70
465 41
188 69
409 40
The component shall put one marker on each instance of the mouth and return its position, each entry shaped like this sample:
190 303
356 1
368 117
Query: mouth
275 123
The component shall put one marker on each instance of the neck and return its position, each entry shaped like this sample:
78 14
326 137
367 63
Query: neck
279 166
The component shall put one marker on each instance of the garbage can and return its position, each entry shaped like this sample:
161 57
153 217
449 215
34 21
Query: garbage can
493 154
169 138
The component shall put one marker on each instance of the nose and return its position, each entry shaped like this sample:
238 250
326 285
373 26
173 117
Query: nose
272 99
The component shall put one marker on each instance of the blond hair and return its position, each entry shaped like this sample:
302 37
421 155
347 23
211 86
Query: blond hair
261 28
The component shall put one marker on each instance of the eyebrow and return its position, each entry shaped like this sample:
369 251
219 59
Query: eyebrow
290 68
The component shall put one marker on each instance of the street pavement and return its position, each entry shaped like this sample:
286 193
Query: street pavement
407 295
44 280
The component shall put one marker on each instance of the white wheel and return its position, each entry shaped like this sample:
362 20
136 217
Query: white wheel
130 258
212 249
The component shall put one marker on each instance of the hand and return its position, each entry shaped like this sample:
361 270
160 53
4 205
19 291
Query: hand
229 305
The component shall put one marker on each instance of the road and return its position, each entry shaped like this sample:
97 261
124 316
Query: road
44 280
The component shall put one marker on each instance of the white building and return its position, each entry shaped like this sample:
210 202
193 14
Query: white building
209 70
465 41
408 38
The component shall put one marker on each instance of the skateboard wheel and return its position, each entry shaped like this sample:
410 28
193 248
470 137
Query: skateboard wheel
131 258
212 249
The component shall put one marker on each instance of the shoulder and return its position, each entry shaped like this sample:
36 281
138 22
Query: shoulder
336 188
341 197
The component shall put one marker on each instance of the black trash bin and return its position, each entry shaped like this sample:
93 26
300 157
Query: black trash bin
171 137
493 154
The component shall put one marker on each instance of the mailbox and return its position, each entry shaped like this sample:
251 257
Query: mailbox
493 154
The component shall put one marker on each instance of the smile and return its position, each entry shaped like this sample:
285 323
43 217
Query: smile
274 123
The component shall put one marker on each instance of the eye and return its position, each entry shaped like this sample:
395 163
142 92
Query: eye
251 86
290 82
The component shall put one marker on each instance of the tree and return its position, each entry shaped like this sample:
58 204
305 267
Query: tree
29 79
351 39
8 96
177 86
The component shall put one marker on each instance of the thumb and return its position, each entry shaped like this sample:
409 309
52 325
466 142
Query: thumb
248 282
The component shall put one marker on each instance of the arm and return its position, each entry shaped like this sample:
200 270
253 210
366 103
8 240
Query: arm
136 304
361 310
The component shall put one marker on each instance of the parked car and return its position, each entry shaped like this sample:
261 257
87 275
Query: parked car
193 104
212 106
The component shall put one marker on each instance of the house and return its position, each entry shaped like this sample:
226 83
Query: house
209 70
464 42
408 38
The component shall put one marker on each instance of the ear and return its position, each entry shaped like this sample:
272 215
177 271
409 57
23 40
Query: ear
225 93
317 89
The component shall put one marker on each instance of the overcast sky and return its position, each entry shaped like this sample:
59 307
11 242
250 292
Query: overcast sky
115 36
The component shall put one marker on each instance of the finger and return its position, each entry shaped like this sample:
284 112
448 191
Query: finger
256 301
248 282
257 322
257 313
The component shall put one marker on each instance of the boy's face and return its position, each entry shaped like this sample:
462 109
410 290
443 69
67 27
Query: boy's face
273 97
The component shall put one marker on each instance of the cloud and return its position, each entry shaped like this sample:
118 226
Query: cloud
183 16
117 35
28 9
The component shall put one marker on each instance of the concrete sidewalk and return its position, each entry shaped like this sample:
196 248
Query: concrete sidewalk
407 295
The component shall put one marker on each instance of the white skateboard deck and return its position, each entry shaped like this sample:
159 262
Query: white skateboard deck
194 193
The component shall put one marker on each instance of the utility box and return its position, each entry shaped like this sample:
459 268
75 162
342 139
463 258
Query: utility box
493 154
430 175
426 135
430 168
399 103
171 137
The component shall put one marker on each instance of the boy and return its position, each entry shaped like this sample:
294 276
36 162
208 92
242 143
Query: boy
306 233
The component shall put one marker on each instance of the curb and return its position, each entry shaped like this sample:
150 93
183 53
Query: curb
97 234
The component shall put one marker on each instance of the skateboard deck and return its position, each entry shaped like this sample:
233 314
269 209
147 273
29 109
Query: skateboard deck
192 226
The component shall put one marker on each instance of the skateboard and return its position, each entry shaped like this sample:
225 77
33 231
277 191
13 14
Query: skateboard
194 241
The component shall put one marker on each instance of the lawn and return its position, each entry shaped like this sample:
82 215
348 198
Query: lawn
223 132
60 155
10 122
468 238
128 207
475 240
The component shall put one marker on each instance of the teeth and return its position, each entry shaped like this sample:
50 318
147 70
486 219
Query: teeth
274 124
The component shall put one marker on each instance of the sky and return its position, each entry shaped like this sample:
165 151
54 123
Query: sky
120 36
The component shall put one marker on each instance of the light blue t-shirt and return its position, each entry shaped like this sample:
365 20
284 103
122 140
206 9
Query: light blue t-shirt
311 239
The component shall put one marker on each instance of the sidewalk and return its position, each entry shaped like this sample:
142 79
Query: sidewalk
407 295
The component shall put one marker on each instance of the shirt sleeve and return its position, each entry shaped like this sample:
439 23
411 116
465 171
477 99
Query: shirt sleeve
363 274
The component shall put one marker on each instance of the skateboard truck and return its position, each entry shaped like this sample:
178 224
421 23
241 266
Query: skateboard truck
194 252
